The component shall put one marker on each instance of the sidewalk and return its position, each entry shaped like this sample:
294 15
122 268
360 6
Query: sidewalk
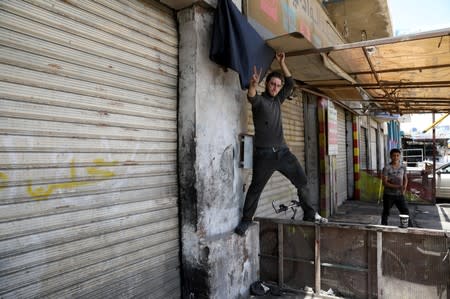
422 215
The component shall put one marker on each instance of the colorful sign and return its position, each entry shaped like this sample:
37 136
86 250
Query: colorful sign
275 18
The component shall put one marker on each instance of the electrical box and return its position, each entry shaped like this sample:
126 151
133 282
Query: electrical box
246 152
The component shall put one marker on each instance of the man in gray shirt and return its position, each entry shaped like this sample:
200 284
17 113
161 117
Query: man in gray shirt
395 182
271 151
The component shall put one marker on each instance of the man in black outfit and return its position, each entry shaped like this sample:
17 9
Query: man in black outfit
271 151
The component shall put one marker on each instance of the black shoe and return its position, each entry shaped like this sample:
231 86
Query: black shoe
242 227
309 218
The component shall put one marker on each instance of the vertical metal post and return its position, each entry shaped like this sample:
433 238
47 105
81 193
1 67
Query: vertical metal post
433 147
369 265
280 256
317 260
380 264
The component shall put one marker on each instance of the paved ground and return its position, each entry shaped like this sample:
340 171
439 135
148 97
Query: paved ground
422 215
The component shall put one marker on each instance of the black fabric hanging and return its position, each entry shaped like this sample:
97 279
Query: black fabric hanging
236 45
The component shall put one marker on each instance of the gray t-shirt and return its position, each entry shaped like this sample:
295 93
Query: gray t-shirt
394 176
267 116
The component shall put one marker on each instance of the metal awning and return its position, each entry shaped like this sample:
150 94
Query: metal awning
407 74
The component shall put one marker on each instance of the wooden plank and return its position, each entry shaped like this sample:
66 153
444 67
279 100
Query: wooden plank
280 255
370 270
380 264
317 265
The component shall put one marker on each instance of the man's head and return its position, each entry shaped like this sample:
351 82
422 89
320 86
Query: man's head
274 82
395 154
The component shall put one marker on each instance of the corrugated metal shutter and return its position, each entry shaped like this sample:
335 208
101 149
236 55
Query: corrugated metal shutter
363 156
280 188
373 148
88 149
382 149
341 157
350 162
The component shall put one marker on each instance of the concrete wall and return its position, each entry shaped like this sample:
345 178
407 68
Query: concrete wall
216 263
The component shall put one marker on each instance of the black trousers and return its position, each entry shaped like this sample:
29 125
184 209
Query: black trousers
265 163
397 200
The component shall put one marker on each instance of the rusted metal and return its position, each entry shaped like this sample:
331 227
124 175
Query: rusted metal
317 260
406 69
280 256
370 43
377 78
379 259
369 265
358 261
400 70
422 84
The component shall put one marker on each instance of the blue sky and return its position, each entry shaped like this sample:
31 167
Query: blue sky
411 16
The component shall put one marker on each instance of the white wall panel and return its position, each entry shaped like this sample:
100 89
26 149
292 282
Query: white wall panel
341 157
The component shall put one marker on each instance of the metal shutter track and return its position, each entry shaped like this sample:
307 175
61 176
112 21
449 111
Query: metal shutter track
341 158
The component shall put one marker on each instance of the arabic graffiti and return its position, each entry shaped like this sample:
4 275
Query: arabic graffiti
3 180
101 173
41 193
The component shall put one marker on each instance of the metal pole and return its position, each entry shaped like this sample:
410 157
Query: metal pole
433 147
369 264
317 260
280 256
379 264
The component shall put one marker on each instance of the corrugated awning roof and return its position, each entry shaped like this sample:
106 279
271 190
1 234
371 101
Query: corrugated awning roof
408 74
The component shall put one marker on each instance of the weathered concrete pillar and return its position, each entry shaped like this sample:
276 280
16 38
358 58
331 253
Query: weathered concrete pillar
216 263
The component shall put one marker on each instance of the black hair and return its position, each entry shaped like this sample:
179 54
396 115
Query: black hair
394 150
276 75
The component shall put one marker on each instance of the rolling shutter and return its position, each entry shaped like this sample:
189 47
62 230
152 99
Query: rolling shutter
363 145
88 149
373 148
